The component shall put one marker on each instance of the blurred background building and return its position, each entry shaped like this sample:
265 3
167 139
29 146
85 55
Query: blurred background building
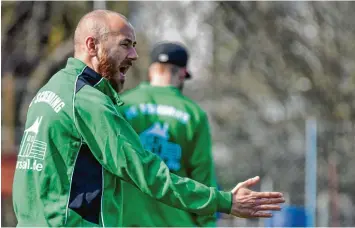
261 70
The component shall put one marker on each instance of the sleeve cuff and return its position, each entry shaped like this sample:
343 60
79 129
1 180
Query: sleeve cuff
225 202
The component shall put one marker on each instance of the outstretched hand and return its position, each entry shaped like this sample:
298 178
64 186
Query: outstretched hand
251 204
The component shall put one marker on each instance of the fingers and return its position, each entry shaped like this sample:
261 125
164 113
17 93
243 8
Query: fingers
268 195
248 183
260 211
262 214
269 201
268 208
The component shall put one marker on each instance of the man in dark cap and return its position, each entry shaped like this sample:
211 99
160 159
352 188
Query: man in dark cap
173 127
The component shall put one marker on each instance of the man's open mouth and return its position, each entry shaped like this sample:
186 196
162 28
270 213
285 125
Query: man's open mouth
124 68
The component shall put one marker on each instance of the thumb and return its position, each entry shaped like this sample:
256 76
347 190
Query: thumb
246 184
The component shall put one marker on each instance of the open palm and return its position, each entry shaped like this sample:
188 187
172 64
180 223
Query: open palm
251 204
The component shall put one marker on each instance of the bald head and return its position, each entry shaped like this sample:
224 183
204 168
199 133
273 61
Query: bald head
97 24
105 41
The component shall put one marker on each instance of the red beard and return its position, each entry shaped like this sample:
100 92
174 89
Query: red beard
105 68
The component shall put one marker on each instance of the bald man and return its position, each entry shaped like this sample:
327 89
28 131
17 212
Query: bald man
77 149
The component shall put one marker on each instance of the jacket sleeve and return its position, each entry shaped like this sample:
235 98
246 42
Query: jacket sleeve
201 165
118 149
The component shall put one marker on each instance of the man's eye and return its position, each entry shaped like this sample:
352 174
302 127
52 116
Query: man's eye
125 45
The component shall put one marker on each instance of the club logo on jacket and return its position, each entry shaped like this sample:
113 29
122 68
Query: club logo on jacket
32 151
155 139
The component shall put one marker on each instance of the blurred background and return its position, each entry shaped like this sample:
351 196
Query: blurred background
277 80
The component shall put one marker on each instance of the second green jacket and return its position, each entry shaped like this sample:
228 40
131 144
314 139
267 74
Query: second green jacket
175 128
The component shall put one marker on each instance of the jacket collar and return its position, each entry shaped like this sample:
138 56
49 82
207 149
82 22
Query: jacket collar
94 79
161 89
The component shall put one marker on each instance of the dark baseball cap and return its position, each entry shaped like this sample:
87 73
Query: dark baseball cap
173 53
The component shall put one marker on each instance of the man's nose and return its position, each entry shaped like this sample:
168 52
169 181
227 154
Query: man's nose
133 55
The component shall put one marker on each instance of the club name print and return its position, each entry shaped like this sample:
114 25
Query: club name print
29 165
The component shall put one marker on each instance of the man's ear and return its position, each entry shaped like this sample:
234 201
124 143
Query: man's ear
183 72
91 46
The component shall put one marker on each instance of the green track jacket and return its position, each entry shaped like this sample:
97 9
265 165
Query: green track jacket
77 149
177 129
